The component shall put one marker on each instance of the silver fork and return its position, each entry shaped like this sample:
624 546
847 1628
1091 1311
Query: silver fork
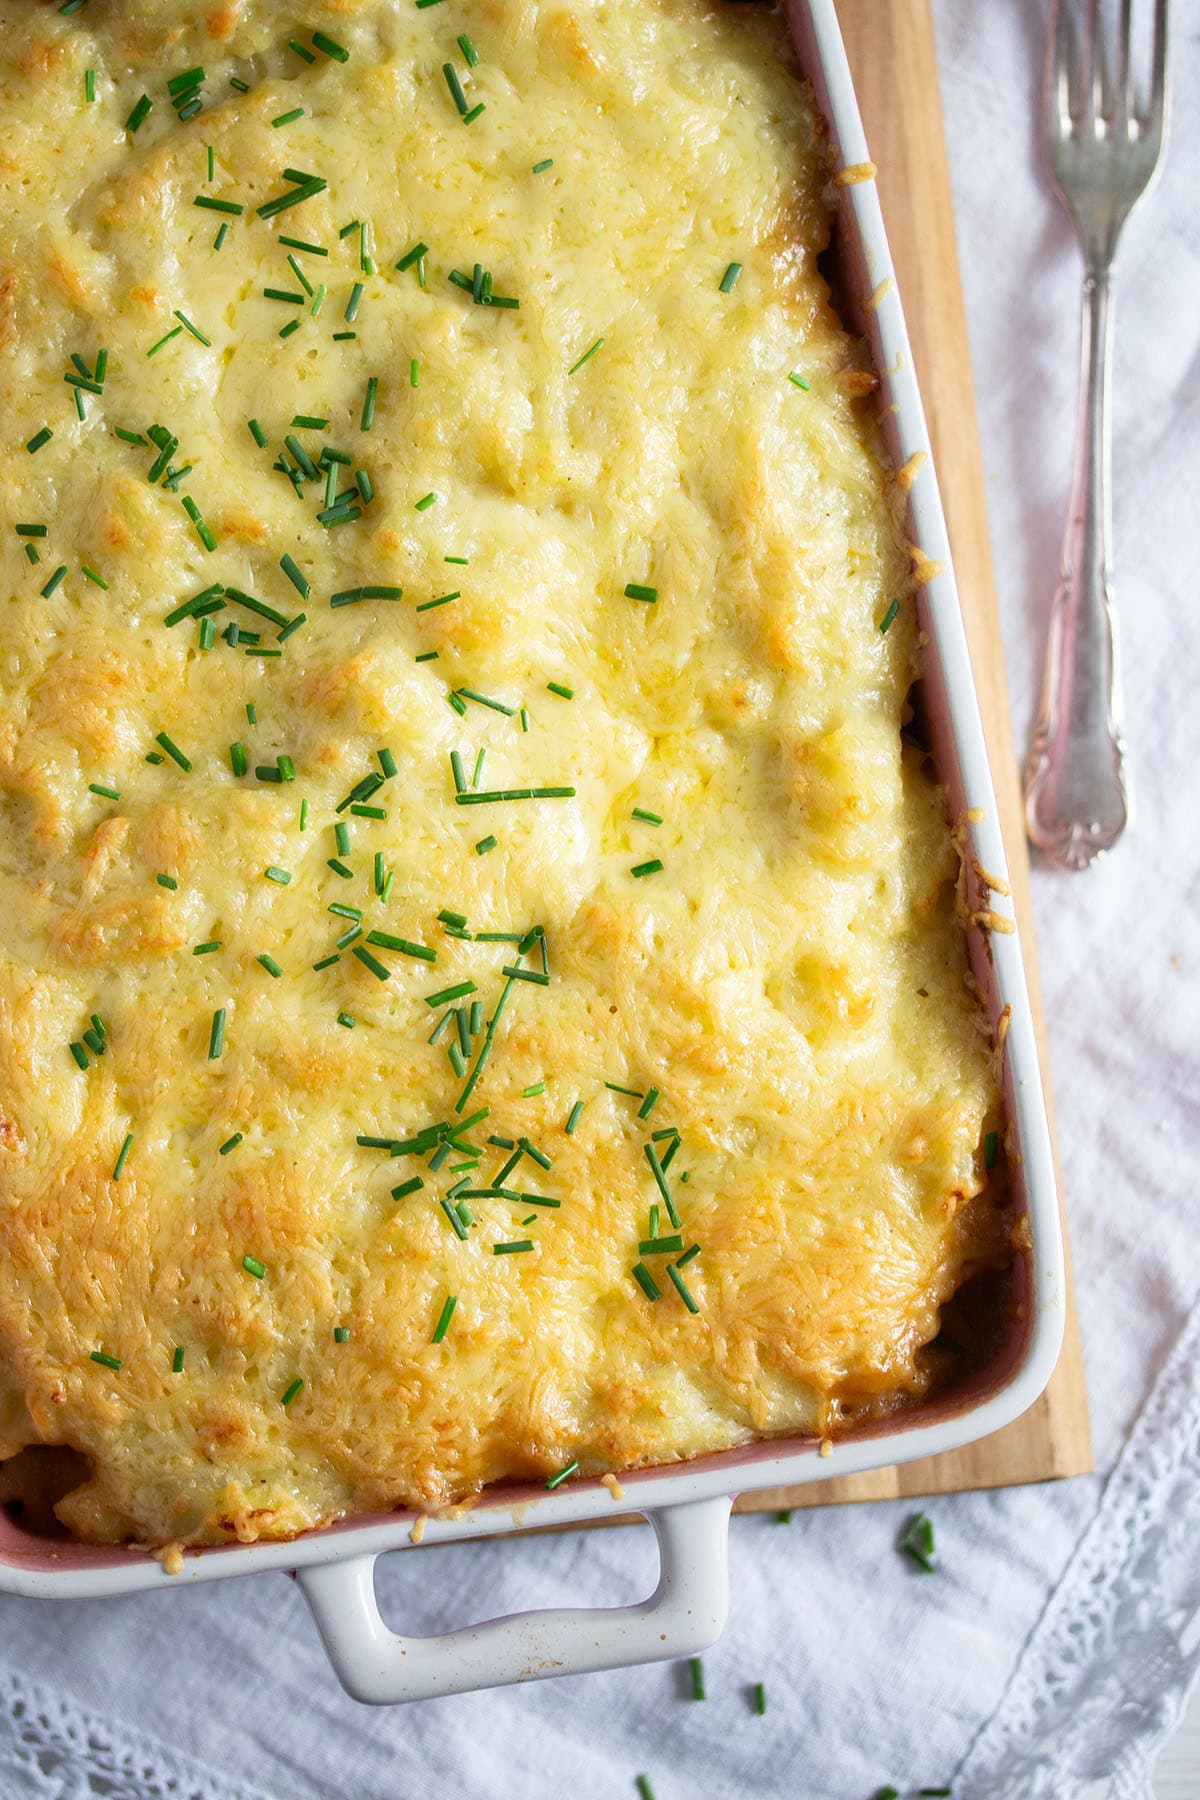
1102 147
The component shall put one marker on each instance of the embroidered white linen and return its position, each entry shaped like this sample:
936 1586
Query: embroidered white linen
1053 1647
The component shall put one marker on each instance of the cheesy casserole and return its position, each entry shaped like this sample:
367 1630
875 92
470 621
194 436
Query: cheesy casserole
481 994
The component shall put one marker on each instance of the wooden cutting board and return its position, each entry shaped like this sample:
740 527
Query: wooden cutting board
893 58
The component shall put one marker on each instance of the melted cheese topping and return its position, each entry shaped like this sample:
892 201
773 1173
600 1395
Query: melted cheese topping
789 983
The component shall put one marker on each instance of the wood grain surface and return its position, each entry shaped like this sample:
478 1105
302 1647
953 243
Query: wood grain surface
893 57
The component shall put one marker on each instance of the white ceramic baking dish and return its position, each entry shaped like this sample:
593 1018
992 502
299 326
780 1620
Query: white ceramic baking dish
688 1503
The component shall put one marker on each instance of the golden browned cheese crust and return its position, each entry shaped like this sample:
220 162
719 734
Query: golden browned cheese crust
774 969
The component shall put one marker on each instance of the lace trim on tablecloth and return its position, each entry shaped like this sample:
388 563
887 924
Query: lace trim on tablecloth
1103 1677
53 1749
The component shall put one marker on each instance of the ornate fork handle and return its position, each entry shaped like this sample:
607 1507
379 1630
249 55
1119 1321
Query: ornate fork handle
1077 799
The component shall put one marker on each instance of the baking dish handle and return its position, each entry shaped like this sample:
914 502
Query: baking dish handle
685 1613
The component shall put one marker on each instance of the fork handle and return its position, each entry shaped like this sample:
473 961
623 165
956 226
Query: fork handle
1076 790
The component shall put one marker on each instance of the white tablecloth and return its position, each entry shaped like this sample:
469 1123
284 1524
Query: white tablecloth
1049 1653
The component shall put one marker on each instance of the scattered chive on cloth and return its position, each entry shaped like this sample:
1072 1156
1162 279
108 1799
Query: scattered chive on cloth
1049 1652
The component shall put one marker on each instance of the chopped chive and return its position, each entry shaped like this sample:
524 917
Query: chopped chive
123 1156
378 969
280 876
407 1187
193 329
446 917
344 1018
939 1793
290 1391
301 50
193 512
286 118
660 1246
425 502
564 1474
529 1093
106 793
108 1362
173 751
681 1288
302 191
386 941
692 1251
206 949
55 581
38 439
760 1706
341 1334
889 615
469 118
455 86
454 992
330 47
573 1118
991 1149
586 357
299 581
556 687
92 576
177 1360
30 531
486 798
269 964
300 244
207 201
647 818
647 868
216 1036
257 433
516 1248
231 1143
646 1282
31 553
89 85
368 411
649 1103
730 276
253 1267
696 1665
539 168
428 606
656 1169
80 1055
515 973
634 1093
167 881
483 700
138 116
352 304
634 590
917 1542
444 1318
239 762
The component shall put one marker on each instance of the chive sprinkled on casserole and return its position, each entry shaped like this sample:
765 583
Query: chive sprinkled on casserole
572 1134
